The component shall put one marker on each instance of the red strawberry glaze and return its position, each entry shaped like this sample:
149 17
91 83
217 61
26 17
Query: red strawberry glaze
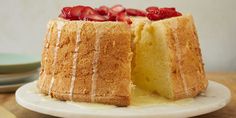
116 13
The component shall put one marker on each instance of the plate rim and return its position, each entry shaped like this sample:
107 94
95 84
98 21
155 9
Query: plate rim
61 113
17 74
12 87
12 78
36 61
22 82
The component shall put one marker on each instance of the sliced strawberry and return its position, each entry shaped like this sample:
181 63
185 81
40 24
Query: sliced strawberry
118 8
131 12
152 9
169 12
102 10
128 20
153 16
155 13
178 14
135 12
65 13
114 11
112 15
62 16
169 8
86 11
76 12
95 17
121 16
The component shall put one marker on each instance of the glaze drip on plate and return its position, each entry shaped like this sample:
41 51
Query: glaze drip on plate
60 25
75 60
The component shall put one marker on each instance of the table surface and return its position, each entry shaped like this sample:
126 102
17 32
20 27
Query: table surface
7 100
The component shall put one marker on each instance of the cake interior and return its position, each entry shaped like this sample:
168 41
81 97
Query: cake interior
150 70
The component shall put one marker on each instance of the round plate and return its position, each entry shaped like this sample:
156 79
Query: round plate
11 87
15 63
215 97
15 77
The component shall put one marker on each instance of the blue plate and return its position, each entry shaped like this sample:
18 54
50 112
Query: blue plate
17 63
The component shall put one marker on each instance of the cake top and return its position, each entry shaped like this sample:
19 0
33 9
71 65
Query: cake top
116 13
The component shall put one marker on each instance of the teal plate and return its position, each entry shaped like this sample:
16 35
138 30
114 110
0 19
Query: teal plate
17 63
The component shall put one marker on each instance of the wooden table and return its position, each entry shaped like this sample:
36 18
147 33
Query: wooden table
228 79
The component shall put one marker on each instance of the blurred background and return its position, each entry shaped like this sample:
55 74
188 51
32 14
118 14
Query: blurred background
23 25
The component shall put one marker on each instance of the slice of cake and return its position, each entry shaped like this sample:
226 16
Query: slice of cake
167 58
98 55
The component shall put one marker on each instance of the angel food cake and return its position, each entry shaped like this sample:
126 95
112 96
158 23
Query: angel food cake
100 55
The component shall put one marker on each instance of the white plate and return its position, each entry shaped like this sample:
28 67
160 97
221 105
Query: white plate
11 87
216 97
14 77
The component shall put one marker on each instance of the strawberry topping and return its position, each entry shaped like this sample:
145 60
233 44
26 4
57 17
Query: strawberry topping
122 17
116 13
102 10
85 12
76 12
152 10
118 8
169 12
152 16
112 15
155 13
95 17
135 12
65 12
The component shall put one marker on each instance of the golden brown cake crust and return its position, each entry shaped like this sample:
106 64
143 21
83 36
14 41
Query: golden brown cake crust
188 75
113 62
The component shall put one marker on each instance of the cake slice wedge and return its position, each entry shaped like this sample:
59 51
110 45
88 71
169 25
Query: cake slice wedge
167 58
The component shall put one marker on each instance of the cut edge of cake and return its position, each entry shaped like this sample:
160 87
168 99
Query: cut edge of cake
168 59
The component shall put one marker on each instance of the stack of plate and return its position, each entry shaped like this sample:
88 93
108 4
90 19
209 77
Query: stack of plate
17 70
